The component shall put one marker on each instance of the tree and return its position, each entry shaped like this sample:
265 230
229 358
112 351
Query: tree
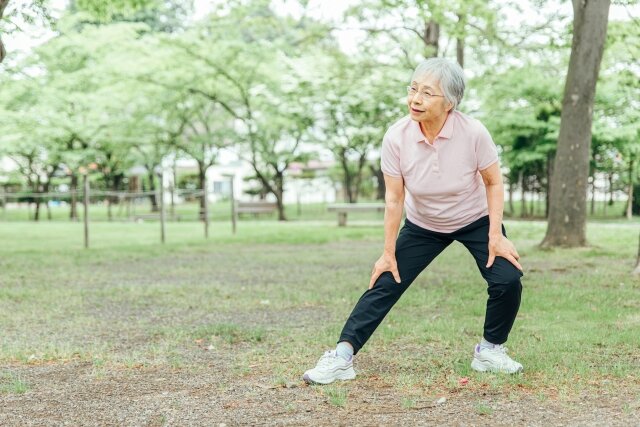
3 6
203 130
143 10
35 151
521 110
424 28
356 109
567 208
621 91
14 20
257 78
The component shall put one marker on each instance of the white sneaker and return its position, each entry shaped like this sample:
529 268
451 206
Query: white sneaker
494 360
330 367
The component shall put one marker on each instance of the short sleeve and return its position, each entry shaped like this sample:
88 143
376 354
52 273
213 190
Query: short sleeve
390 157
486 150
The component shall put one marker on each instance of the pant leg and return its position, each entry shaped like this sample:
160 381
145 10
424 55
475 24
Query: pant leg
503 280
415 249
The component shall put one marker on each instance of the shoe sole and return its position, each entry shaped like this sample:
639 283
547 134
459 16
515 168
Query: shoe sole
477 365
343 377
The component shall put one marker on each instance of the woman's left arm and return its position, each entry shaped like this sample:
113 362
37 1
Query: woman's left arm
499 245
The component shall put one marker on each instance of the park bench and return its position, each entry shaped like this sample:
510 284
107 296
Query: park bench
344 208
260 207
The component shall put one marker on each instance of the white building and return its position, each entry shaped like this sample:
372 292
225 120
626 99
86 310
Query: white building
304 183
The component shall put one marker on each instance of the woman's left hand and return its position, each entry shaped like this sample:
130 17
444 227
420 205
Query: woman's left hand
501 246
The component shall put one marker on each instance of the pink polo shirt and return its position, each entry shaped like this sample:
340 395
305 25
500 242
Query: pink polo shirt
443 187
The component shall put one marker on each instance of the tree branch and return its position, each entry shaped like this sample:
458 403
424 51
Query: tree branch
214 98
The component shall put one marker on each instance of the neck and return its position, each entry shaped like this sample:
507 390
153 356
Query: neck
432 128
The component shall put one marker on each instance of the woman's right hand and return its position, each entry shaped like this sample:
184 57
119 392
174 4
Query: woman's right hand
386 262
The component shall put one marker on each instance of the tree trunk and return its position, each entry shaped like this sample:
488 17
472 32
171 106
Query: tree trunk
279 181
37 191
73 214
523 200
532 204
380 188
3 52
611 189
431 38
567 214
511 210
346 180
630 192
358 178
460 40
45 189
202 182
550 163
152 189
36 215
593 195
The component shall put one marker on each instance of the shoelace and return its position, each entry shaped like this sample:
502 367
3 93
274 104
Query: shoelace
501 348
327 358
506 361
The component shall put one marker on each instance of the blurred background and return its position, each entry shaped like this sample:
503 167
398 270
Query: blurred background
286 102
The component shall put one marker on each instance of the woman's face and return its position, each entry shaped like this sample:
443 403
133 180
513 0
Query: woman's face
426 100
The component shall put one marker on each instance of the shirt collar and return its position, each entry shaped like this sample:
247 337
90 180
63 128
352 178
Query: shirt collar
446 132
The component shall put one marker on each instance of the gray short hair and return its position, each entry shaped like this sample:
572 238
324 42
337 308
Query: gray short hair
448 73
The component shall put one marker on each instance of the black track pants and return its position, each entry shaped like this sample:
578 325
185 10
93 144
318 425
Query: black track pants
416 247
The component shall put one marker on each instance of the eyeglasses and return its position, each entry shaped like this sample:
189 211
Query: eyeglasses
425 94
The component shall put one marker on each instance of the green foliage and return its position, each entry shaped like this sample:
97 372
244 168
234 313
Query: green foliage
357 102
107 10
138 82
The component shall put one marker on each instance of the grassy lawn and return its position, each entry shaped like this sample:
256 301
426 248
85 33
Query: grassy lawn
261 307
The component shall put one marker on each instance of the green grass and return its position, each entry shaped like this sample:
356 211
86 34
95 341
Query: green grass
276 296
483 409
230 333
11 383
336 395
221 212
408 403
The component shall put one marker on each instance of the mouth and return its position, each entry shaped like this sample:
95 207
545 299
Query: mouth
416 110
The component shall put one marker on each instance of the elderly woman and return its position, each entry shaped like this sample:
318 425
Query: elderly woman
443 167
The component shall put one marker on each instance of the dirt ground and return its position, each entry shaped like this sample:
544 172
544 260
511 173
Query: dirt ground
72 394
207 389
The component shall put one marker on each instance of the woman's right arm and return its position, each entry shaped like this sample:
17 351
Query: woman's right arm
394 202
